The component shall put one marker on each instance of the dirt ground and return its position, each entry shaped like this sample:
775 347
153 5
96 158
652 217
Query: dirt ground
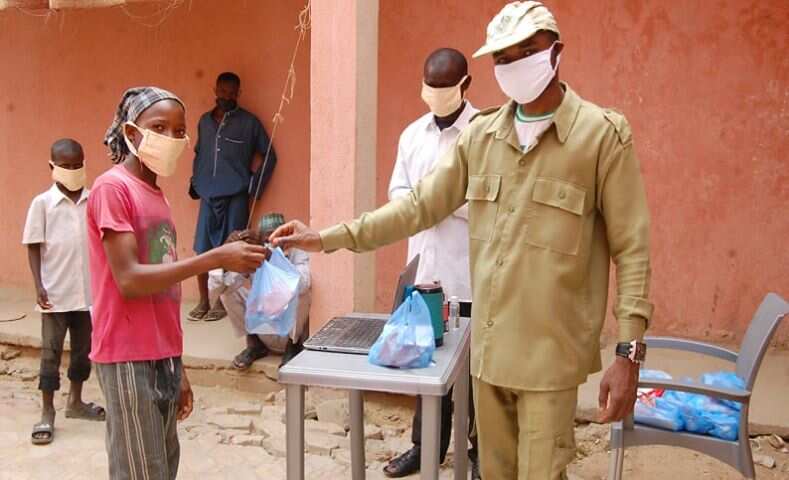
240 435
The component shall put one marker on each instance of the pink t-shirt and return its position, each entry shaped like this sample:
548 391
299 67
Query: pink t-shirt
144 328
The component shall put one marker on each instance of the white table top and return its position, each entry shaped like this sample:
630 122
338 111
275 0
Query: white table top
353 371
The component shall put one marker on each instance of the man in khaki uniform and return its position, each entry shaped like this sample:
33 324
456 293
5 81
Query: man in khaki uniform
555 193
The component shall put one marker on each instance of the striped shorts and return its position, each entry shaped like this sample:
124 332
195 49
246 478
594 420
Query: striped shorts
142 400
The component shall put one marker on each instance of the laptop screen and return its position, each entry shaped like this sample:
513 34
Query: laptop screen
407 277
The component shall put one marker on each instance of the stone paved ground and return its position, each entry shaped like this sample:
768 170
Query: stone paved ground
239 436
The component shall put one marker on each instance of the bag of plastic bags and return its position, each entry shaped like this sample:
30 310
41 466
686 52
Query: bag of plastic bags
407 339
274 297
725 380
697 413
651 409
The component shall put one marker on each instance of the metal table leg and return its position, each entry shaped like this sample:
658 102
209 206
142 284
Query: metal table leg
356 407
461 422
294 412
431 422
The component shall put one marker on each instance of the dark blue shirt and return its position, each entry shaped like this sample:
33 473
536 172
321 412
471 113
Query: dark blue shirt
224 154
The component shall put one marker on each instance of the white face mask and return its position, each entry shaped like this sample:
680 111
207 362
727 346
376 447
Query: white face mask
158 152
443 101
73 180
524 80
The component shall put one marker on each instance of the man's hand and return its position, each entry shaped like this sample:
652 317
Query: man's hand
236 236
241 257
43 299
185 398
618 391
296 234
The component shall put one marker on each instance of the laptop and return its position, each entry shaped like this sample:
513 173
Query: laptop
357 332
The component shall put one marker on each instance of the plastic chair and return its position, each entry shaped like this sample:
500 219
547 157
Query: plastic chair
735 453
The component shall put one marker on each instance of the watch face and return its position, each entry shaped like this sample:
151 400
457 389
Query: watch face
640 351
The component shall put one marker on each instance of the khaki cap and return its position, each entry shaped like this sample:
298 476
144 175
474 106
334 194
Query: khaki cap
516 22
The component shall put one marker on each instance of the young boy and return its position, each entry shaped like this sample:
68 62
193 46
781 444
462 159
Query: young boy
135 279
55 238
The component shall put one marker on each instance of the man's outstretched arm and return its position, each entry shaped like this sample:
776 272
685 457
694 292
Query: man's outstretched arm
433 199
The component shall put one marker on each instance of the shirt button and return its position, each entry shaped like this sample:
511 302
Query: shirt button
522 162
490 323
562 194
499 262
512 209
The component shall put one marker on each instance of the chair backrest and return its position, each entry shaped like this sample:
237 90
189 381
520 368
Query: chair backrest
763 325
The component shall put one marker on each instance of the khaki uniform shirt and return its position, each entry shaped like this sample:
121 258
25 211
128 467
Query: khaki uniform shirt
544 226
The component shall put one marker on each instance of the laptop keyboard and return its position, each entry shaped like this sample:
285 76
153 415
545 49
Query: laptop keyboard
349 333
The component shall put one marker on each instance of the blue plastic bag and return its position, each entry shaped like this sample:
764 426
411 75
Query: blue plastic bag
407 339
725 380
726 427
651 409
274 297
662 414
706 415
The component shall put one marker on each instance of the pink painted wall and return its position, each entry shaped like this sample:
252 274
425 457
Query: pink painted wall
340 183
63 76
705 87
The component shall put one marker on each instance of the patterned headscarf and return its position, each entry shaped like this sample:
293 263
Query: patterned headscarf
134 101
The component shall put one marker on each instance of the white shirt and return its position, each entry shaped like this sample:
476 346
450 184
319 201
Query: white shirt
444 248
58 224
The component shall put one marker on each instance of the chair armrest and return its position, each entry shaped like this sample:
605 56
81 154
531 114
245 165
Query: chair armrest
693 346
734 394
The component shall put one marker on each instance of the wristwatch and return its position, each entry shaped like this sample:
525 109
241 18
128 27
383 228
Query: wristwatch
634 351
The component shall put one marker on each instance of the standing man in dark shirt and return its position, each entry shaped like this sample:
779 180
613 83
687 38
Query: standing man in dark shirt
223 178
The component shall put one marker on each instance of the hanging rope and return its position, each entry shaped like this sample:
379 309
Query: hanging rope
287 95
155 19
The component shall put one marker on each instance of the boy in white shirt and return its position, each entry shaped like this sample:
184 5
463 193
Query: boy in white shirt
57 250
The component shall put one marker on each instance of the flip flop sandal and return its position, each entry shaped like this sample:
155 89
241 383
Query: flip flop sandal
91 411
43 433
245 359
197 314
214 314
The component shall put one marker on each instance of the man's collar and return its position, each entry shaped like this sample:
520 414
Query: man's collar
60 196
460 123
231 112
565 115
503 126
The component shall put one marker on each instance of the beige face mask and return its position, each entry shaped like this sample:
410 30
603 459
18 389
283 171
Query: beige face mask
158 152
73 180
443 101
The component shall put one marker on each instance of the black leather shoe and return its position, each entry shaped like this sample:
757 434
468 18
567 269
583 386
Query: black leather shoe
291 350
404 465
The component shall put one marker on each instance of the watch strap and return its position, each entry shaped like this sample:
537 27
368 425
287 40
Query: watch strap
634 351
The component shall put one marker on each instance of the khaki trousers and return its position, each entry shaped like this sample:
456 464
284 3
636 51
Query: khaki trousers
524 435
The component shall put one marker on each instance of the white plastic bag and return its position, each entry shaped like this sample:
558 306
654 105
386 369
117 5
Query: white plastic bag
407 339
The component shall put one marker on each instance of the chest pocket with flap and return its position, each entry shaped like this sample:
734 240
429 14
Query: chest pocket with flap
557 220
483 195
